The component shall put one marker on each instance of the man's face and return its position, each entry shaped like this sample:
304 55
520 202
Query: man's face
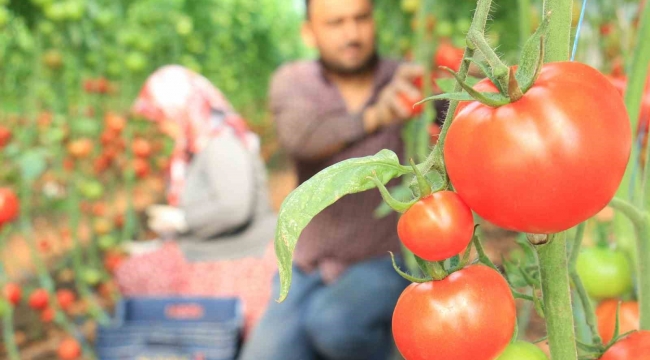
344 33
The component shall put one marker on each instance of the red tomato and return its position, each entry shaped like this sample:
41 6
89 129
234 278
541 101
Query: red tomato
449 56
470 315
101 163
546 162
112 261
635 346
69 349
141 148
38 300
141 168
65 298
114 122
5 136
437 227
47 315
606 314
13 293
80 148
9 206
416 110
44 246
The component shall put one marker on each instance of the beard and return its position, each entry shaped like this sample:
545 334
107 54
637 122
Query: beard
342 70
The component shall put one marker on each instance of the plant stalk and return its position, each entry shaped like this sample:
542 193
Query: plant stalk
553 262
554 274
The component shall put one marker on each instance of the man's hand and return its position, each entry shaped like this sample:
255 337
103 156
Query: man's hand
391 107
165 219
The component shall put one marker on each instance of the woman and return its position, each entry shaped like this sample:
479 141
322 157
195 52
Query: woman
219 215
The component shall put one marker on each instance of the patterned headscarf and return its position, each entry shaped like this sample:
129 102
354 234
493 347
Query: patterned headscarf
200 111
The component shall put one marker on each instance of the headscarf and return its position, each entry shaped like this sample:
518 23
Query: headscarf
200 111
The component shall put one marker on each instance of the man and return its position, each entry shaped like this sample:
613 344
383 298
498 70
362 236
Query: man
345 105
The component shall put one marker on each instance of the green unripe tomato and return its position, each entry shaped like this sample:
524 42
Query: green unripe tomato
605 273
91 189
463 25
184 26
521 350
91 276
410 6
445 29
107 242
136 62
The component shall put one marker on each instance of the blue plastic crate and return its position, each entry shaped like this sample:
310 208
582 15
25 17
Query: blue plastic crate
173 328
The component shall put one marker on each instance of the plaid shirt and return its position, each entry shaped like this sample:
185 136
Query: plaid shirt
311 117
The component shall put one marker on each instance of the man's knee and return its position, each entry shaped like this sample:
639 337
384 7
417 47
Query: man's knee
336 334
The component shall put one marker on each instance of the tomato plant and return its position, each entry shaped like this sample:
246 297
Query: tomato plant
635 346
39 299
9 206
467 316
606 315
437 227
12 293
533 155
521 350
605 273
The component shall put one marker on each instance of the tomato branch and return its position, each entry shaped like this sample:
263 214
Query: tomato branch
553 262
590 315
477 40
554 276
435 159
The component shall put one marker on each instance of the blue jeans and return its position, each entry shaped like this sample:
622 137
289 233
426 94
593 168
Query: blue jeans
347 320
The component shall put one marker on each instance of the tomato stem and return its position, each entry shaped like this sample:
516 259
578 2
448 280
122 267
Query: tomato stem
641 224
423 184
406 276
493 100
637 75
433 269
590 314
499 69
435 158
398 206
514 91
554 275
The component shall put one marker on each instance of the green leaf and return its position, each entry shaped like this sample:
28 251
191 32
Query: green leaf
32 164
322 190
531 57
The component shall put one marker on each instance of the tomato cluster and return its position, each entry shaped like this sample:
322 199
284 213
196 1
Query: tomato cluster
520 166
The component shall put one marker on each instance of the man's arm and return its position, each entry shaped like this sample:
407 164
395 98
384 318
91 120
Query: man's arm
310 132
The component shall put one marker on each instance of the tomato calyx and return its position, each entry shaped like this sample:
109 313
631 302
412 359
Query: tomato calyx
512 82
